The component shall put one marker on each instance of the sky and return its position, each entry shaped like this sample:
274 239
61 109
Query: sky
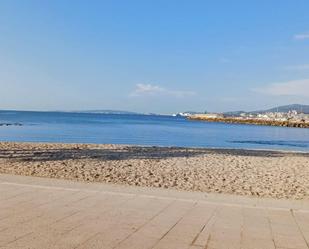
153 56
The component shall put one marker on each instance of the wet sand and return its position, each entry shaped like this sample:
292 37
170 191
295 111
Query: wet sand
273 174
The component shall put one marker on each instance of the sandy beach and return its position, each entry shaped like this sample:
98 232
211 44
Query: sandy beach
281 175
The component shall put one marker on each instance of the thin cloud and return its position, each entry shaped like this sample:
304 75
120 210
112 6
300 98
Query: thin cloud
303 67
289 88
145 89
225 60
154 90
302 36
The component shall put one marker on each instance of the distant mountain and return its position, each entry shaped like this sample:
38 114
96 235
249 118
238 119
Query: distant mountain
109 112
284 108
287 108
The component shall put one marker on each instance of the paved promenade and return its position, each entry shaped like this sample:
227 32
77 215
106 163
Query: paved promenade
48 213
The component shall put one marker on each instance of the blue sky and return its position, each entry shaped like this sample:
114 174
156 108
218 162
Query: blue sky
153 56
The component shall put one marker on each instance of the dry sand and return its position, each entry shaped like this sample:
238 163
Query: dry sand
244 172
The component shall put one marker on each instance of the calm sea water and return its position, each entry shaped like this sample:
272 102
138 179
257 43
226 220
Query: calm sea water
146 130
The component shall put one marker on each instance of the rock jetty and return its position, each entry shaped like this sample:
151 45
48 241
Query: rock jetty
236 120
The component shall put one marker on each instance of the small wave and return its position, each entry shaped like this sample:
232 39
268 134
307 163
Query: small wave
299 144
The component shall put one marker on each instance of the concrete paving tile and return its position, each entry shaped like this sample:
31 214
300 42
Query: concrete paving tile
18 199
107 239
172 244
12 234
9 192
43 238
224 243
203 237
54 214
302 220
128 221
140 242
159 225
187 230
257 233
289 241
258 243
288 230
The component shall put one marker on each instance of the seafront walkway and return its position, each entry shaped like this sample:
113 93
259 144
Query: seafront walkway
46 213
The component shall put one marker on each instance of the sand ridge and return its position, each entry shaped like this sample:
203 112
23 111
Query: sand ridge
243 172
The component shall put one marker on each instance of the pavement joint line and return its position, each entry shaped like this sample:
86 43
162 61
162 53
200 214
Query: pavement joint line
84 242
208 225
15 239
105 212
145 223
242 227
253 205
29 208
299 228
81 199
65 217
271 229
174 225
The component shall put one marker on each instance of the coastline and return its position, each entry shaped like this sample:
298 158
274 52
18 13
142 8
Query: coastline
259 173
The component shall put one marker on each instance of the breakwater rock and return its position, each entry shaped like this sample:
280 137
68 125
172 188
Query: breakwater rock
253 121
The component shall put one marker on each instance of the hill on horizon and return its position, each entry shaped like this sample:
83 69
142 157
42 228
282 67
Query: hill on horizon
287 108
284 108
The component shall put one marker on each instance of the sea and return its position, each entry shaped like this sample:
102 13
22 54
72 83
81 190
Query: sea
149 130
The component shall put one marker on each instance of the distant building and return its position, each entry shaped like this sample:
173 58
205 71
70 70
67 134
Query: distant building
213 115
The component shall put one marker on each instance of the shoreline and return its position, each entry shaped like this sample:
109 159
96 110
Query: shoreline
163 146
259 173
